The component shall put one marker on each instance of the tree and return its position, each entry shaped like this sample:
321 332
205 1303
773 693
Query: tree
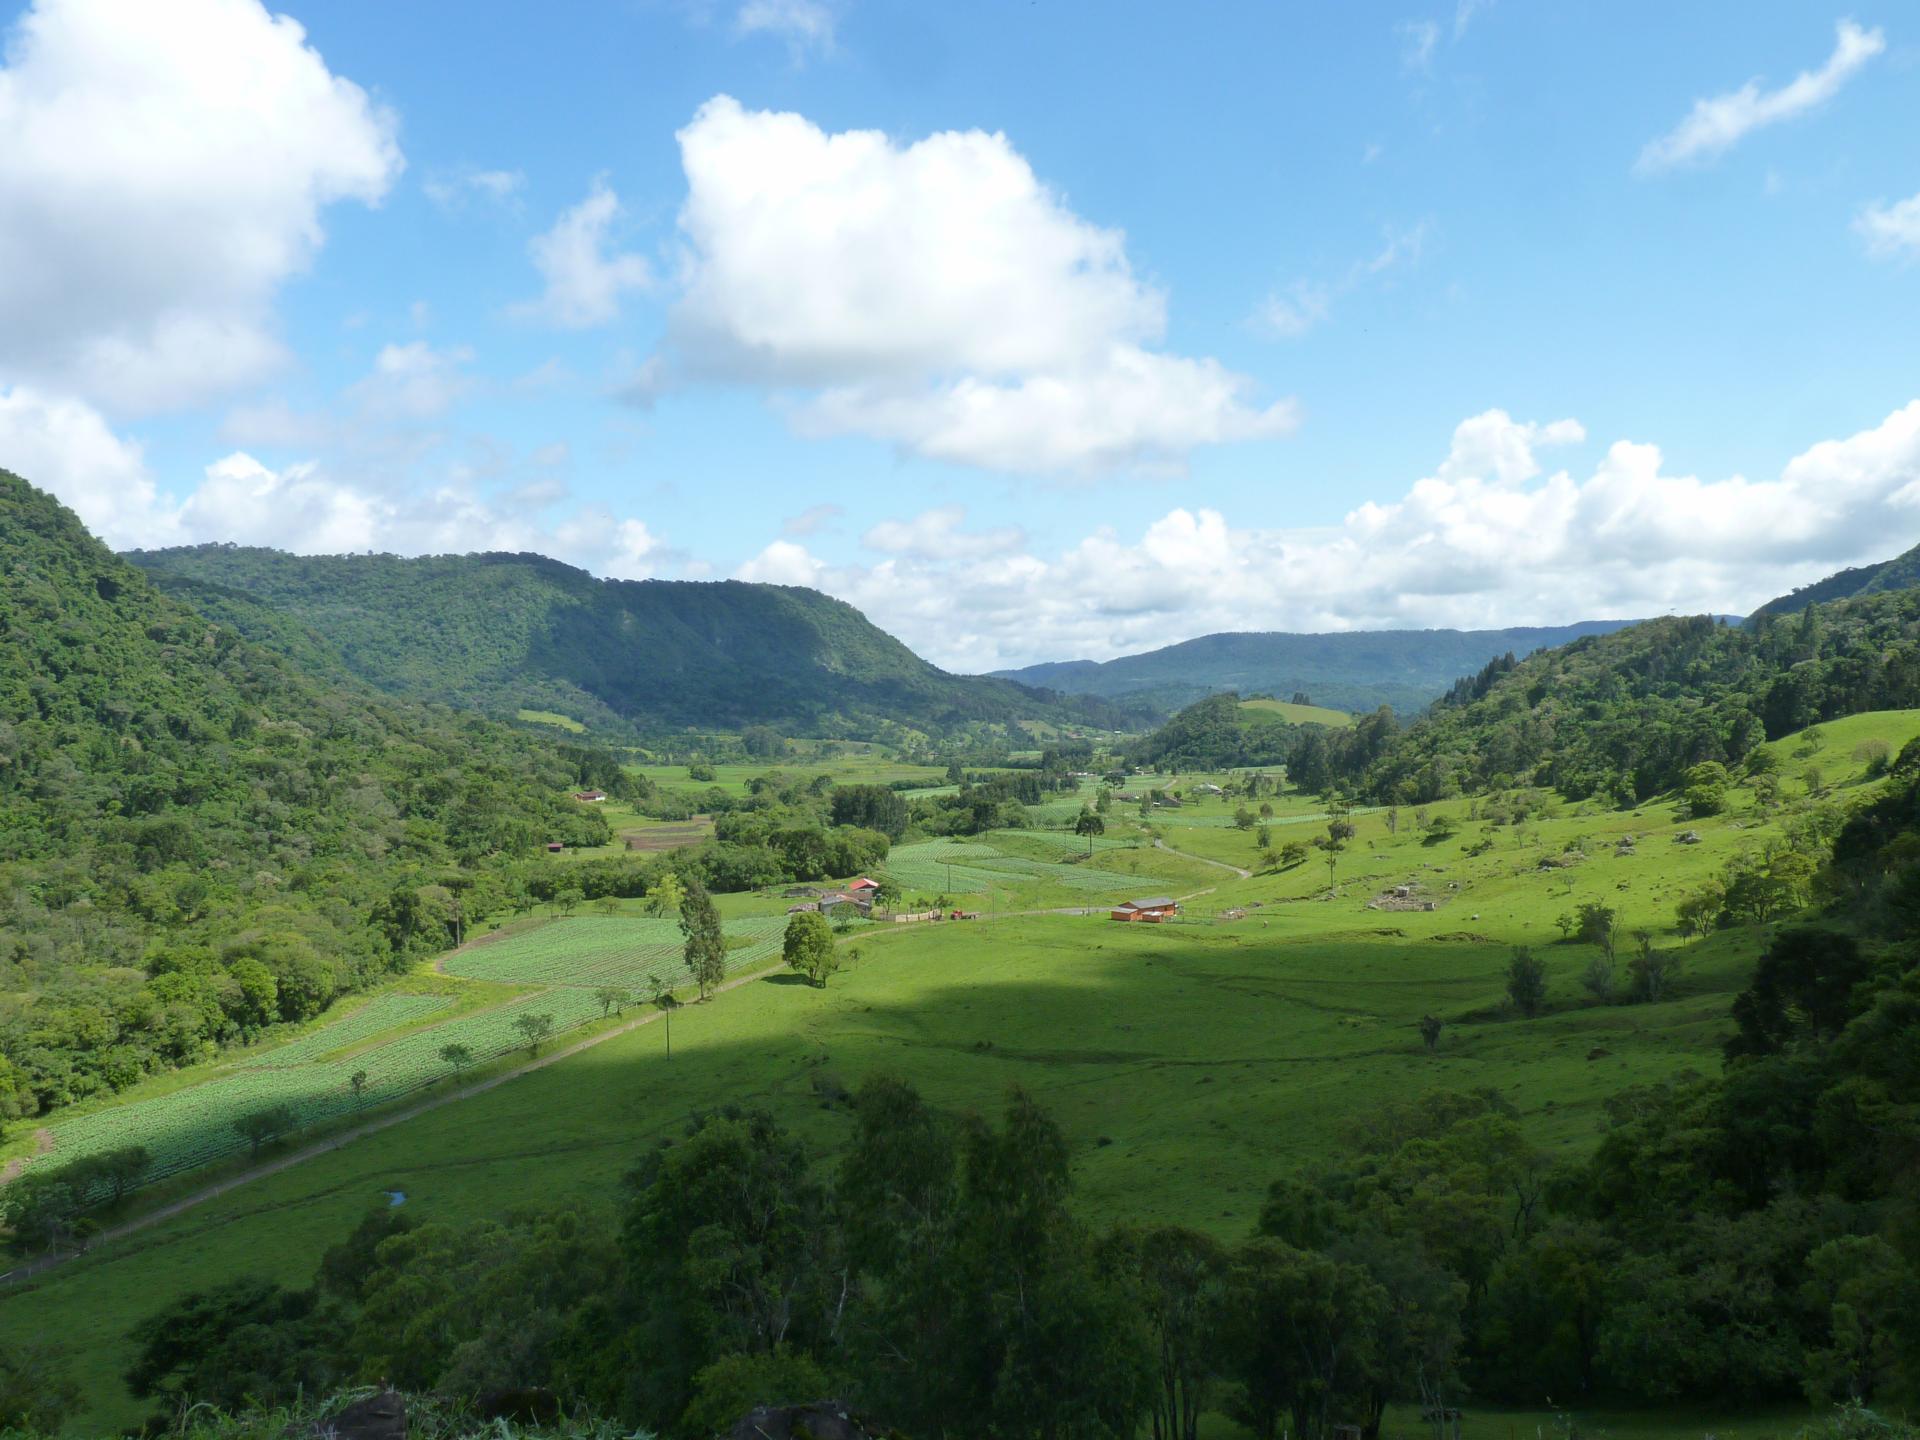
458 1057
809 947
567 899
1698 911
665 1001
612 999
706 946
1242 818
665 894
534 1029
608 905
358 1083
1596 926
1598 979
1803 989
1302 1338
1293 853
1651 971
886 893
1430 1028
1181 1280
1089 824
246 1342
1706 791
1263 837
1527 982
37 1390
258 1127
121 1170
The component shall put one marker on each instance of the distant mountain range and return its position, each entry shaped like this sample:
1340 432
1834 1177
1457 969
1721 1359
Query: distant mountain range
1900 573
503 633
1353 670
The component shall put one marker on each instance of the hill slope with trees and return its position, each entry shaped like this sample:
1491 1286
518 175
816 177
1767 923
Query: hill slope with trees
1900 573
500 632
1357 670
199 839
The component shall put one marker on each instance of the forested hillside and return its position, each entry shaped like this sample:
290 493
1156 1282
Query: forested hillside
1900 573
498 633
198 839
1358 670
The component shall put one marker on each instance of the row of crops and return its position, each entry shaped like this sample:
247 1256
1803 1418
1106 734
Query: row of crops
958 867
314 1076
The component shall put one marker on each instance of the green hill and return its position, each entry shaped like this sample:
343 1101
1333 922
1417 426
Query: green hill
198 837
1900 573
1352 671
502 633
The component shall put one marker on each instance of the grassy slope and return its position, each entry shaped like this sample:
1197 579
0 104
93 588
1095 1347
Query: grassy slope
1300 714
1190 1064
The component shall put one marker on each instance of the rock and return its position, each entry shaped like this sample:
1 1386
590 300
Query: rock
378 1417
820 1420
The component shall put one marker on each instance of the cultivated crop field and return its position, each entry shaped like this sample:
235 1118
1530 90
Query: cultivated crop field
976 865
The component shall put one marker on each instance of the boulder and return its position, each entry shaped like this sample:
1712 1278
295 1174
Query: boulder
382 1416
819 1420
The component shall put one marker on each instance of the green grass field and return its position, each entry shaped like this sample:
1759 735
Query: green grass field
1190 1063
1300 714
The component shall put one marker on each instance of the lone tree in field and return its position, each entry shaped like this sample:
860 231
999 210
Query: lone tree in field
257 1127
1089 824
534 1029
808 947
1430 1028
567 900
1527 982
457 1056
613 999
706 947
665 894
358 1080
121 1169
666 1002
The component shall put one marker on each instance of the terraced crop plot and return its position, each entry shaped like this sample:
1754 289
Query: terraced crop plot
313 1076
594 951
965 867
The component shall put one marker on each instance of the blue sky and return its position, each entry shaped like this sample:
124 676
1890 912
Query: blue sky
1036 330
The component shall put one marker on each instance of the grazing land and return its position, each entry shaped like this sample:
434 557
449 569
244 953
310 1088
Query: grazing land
1299 714
1190 1063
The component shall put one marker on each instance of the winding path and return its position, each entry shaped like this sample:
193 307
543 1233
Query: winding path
1204 860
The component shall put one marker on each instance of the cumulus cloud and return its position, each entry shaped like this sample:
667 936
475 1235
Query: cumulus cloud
66 447
936 295
1719 122
1488 538
1891 231
585 282
782 563
164 170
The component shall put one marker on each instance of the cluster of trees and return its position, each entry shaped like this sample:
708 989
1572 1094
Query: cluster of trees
199 840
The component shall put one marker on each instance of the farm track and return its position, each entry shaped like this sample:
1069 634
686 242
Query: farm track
33 1268
1204 860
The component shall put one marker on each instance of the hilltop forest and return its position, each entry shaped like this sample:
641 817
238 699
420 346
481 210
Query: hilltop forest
500 633
198 839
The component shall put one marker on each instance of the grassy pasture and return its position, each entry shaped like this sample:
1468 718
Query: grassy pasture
1190 1063
1300 714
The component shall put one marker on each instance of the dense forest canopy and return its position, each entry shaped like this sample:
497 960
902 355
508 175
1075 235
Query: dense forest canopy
198 839
501 632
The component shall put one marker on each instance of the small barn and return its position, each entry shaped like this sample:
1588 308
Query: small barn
590 797
862 886
1153 910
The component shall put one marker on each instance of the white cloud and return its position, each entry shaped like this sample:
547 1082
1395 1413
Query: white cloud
1891 231
413 381
163 171
936 533
1417 41
1488 538
1290 312
935 295
1463 14
65 447
811 519
453 190
1717 123
782 563
806 25
585 283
